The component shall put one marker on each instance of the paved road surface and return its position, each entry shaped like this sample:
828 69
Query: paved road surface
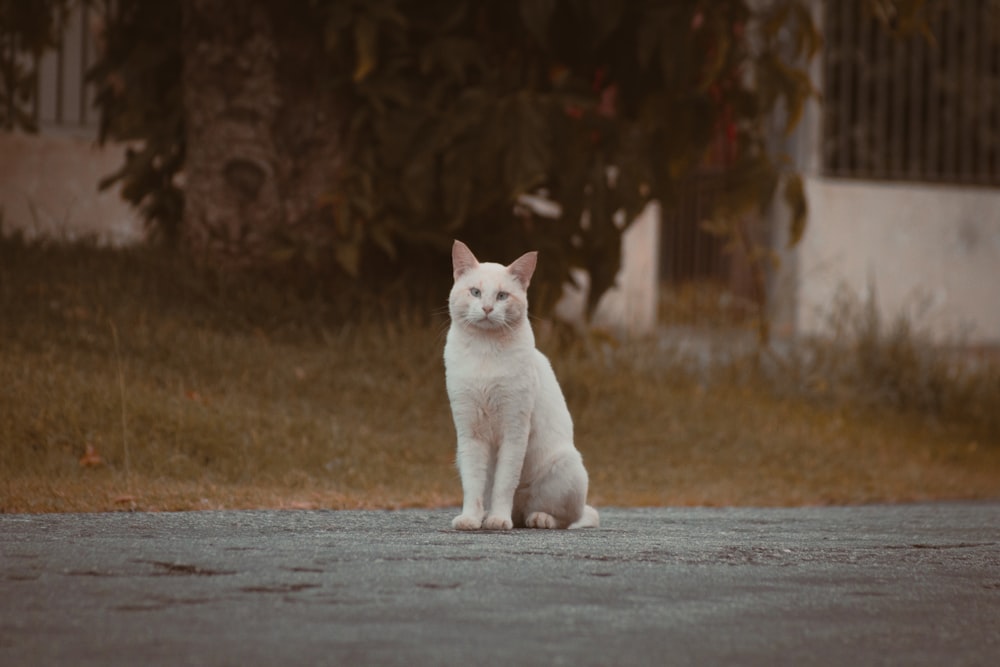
906 585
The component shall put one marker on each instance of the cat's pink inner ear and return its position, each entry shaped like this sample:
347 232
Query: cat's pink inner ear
462 259
523 267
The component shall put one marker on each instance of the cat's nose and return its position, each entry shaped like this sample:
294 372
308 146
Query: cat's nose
487 309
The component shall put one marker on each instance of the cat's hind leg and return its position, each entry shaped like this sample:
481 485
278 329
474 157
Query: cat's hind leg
541 520
590 519
557 497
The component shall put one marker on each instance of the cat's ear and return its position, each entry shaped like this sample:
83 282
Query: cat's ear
523 267
462 259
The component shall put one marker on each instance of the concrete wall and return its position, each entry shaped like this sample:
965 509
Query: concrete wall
932 253
48 189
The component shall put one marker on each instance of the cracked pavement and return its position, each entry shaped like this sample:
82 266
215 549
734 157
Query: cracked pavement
906 584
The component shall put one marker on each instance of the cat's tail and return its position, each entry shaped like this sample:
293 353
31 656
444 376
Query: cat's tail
590 519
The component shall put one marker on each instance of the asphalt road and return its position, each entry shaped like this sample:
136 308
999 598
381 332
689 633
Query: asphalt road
880 585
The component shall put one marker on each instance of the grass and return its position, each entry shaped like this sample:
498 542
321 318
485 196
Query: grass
131 381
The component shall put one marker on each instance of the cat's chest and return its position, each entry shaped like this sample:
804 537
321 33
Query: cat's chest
489 402
488 376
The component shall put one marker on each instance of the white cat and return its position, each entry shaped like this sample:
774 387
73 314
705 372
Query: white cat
515 434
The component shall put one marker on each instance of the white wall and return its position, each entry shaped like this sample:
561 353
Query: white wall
629 308
48 189
932 253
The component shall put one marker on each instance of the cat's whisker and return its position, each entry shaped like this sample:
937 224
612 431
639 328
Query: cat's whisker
442 331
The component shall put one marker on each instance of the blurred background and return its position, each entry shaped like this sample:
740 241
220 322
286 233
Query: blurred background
769 235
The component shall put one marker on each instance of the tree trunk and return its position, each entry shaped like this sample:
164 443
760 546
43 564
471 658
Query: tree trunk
262 134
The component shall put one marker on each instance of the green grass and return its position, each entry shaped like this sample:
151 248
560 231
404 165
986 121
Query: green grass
243 394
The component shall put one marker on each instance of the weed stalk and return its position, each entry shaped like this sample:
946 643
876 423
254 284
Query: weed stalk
121 390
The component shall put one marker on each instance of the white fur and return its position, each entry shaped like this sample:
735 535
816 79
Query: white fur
516 456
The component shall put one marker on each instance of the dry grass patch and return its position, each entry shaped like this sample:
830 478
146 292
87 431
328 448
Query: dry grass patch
239 396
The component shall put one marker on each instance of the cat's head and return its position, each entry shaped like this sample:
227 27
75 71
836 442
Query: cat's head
487 296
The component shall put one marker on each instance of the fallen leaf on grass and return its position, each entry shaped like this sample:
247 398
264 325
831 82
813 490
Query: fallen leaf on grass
90 458
195 396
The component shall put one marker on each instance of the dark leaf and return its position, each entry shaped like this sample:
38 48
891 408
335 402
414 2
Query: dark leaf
605 16
536 16
348 257
717 54
382 236
795 198
338 20
808 39
527 156
366 47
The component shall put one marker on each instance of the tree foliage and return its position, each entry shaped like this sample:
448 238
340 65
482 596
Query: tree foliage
139 91
454 109
460 107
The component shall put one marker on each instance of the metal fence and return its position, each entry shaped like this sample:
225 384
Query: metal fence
688 252
702 280
917 107
64 101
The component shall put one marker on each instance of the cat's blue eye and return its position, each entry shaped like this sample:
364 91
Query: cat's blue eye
475 292
501 296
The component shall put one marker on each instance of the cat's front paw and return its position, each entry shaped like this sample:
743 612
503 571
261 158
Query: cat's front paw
541 520
498 523
466 522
